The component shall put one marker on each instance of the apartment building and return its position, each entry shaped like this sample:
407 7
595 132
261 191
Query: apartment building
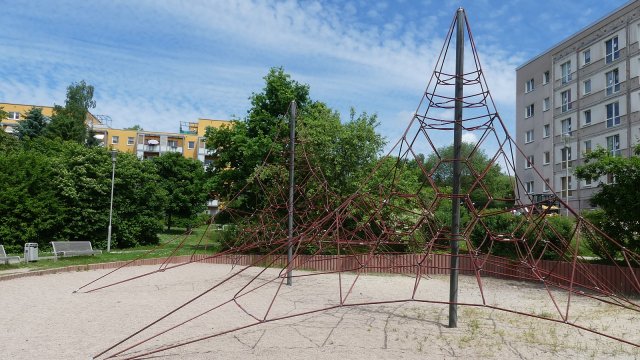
581 94
188 141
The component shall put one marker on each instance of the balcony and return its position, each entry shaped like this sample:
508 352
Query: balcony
149 148
177 149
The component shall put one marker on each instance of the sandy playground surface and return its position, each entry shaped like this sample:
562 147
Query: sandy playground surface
43 319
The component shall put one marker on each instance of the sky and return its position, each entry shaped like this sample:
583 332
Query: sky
156 63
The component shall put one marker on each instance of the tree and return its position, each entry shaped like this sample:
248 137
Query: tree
135 127
344 153
68 122
498 185
33 125
618 200
56 190
183 181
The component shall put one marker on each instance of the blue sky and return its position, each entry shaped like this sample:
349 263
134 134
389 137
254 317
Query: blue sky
156 63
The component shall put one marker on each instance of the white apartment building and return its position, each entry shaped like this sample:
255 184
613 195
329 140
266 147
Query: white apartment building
582 93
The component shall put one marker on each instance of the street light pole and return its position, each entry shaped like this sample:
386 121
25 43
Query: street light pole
113 174
567 148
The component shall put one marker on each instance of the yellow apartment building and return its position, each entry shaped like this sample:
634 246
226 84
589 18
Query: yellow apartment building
188 141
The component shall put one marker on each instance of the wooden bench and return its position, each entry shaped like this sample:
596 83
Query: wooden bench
73 248
6 259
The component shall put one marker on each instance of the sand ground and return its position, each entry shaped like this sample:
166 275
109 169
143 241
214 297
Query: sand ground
44 319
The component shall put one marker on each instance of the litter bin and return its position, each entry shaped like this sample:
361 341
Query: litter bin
30 252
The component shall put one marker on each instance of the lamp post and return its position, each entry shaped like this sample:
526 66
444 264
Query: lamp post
113 174
567 151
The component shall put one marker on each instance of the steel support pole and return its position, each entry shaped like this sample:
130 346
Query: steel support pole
457 147
292 148
113 175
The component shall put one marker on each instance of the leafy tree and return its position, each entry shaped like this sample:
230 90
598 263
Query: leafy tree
342 152
183 181
33 125
620 215
56 190
135 127
498 185
68 122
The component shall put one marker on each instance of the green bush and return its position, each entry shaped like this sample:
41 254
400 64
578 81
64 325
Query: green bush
511 235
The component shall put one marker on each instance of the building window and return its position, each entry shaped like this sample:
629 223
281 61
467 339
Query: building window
528 111
587 86
586 115
115 139
566 72
566 100
529 137
130 140
13 115
566 157
566 186
546 131
612 50
528 86
172 143
613 81
586 55
545 185
545 78
566 126
613 114
611 179
546 104
587 146
587 182
191 144
613 145
547 158
529 163
529 187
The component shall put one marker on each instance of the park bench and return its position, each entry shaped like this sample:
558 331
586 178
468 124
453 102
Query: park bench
4 258
73 248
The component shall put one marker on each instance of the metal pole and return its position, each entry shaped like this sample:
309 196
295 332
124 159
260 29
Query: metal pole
292 148
113 174
457 147
566 153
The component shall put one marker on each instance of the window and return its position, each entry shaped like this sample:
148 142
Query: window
545 185
586 56
611 179
528 111
547 158
566 72
172 143
566 186
13 115
586 115
130 140
566 157
528 137
546 131
545 78
613 145
529 163
566 126
613 81
528 86
587 146
529 187
612 50
191 144
587 86
566 100
587 182
115 139
546 104
613 114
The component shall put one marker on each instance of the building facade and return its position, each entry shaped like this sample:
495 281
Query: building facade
581 94
188 141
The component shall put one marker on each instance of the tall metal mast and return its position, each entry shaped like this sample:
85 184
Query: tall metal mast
292 148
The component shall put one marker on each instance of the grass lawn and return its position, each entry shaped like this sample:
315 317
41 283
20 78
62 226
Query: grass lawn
171 239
